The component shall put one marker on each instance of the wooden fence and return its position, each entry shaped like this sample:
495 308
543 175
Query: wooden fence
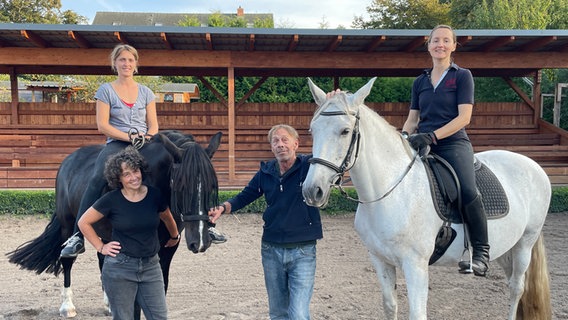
32 147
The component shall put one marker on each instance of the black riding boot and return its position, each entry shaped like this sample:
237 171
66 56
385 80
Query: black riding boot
476 223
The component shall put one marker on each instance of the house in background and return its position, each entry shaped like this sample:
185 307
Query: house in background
170 19
41 91
178 93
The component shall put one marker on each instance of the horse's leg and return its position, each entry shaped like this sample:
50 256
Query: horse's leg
517 260
67 309
166 255
528 282
387 278
416 276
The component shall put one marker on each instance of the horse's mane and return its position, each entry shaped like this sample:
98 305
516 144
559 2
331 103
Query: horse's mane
192 176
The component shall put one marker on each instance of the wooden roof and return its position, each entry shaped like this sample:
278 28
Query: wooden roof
204 51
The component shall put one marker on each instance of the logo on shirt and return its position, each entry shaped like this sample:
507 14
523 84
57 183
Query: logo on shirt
450 83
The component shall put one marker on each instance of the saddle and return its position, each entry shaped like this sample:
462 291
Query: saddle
445 190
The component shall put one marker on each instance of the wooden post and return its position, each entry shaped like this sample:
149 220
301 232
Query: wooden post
231 121
14 119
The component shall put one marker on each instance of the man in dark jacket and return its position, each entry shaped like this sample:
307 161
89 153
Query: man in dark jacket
291 228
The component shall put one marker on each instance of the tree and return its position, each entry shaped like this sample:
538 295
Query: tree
404 14
37 11
189 21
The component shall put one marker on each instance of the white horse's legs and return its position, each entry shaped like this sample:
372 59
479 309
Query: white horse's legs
515 271
416 276
67 309
387 279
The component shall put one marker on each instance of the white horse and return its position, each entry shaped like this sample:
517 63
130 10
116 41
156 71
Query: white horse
396 218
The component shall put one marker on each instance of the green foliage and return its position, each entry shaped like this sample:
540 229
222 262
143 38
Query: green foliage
404 14
465 14
37 11
26 202
216 19
267 23
189 21
559 201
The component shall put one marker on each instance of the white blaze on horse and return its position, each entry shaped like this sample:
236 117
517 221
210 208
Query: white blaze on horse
397 217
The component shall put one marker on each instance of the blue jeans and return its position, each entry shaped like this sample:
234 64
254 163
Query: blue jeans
127 279
289 278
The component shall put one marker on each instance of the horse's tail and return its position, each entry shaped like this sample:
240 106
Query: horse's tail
535 301
42 253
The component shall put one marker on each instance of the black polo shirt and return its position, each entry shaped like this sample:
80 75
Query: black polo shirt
440 106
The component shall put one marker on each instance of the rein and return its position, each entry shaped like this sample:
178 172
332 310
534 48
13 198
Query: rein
346 165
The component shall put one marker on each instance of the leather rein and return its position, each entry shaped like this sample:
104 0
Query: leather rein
347 164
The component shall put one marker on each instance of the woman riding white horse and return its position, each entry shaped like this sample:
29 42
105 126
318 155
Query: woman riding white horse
396 217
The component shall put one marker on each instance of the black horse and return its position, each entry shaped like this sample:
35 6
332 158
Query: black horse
179 167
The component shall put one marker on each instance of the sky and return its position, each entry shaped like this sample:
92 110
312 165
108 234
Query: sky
287 13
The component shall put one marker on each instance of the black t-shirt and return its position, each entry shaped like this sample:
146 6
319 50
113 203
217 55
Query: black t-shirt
440 105
134 224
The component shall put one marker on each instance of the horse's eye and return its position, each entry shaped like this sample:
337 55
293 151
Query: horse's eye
345 132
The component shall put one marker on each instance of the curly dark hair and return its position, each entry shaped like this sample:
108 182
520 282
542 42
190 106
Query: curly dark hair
113 166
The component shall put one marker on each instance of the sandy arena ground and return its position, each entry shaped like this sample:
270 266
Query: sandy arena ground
226 282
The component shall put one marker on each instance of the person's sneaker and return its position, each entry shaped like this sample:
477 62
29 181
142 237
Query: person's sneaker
73 247
216 236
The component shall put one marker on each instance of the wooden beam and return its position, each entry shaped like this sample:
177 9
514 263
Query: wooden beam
214 91
79 39
231 114
334 43
375 43
208 41
165 40
120 37
35 39
414 44
537 44
251 42
520 92
496 43
293 43
14 118
251 91
462 41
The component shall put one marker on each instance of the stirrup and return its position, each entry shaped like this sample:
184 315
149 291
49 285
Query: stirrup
76 234
465 266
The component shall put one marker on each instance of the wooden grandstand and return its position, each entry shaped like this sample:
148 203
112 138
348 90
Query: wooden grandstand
32 150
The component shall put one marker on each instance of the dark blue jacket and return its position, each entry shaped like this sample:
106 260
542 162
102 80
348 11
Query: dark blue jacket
287 218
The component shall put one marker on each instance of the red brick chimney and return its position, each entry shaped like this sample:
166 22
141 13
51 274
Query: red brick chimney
240 12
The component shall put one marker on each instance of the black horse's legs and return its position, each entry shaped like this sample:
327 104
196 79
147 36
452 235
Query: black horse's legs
67 308
166 255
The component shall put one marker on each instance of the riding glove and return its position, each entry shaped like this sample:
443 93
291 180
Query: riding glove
421 140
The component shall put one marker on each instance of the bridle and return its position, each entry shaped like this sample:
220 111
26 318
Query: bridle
348 164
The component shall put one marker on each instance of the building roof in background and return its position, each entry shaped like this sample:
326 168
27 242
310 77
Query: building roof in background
169 19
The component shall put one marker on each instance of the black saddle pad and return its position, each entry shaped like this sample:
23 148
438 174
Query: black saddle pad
445 190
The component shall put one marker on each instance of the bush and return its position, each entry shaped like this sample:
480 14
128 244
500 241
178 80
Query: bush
26 202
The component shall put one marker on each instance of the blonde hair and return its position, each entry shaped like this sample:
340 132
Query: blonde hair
118 50
443 26
286 127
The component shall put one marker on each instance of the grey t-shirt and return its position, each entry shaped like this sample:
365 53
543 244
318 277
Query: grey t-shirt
122 116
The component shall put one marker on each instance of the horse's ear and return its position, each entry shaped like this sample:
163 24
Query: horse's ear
361 94
319 95
169 145
214 144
